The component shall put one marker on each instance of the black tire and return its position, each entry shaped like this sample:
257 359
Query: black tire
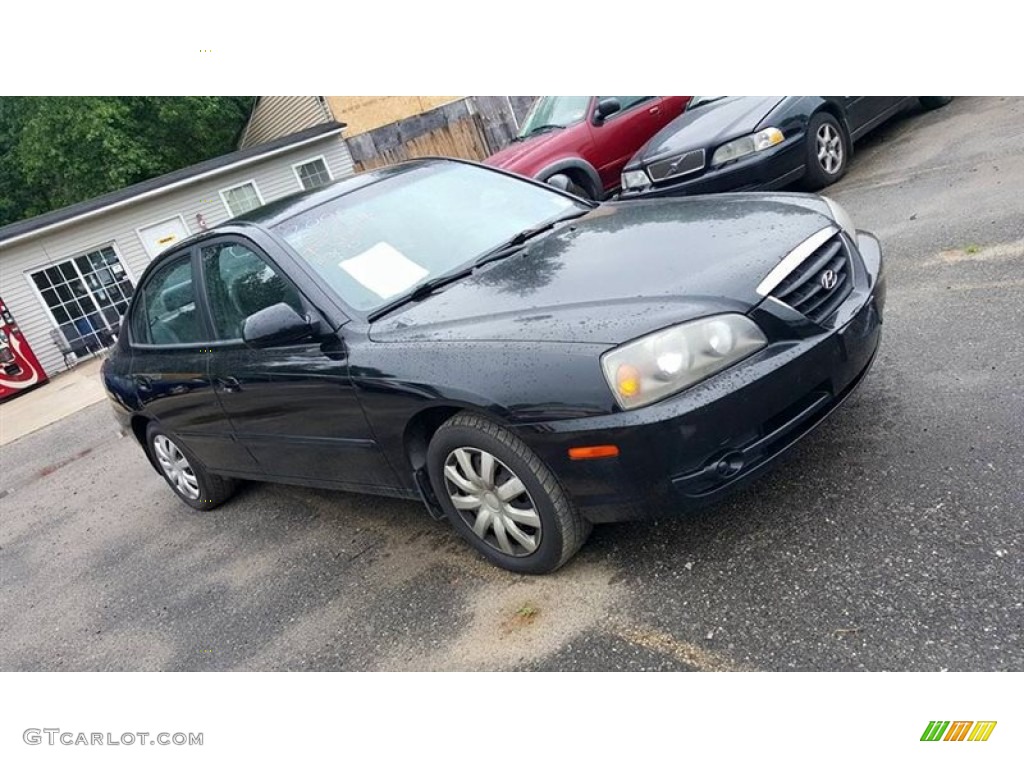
212 490
818 174
562 529
570 185
934 102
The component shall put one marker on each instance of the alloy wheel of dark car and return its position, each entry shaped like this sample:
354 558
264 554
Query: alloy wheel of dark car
501 498
186 476
827 151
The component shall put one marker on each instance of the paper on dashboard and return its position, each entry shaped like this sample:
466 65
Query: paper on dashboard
385 270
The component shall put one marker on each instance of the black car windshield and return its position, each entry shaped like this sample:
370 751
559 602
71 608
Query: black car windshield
378 243
554 112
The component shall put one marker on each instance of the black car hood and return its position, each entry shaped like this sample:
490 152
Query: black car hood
708 126
618 272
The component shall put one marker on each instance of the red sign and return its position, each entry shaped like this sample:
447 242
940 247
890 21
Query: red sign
19 368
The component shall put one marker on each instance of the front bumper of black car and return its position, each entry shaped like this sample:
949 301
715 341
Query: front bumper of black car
695 447
772 169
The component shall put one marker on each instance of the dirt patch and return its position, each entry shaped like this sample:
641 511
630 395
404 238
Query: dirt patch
973 252
513 621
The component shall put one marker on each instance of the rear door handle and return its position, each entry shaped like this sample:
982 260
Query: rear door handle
229 384
655 110
144 382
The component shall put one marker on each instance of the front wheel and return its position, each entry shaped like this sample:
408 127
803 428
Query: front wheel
827 151
186 476
501 498
568 184
934 102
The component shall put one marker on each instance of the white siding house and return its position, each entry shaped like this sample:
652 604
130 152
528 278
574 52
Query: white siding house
275 116
72 267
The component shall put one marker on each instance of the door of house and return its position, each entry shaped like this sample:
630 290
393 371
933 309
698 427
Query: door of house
162 235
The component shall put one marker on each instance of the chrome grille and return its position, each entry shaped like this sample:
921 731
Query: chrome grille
820 283
680 165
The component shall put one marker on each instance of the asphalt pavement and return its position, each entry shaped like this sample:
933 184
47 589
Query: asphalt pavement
891 538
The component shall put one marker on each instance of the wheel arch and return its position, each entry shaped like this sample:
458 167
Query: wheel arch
139 426
424 423
421 428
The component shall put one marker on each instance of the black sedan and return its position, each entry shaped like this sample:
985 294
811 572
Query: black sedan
736 143
524 362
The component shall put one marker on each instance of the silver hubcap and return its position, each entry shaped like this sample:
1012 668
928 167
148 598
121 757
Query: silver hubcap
830 149
492 501
176 467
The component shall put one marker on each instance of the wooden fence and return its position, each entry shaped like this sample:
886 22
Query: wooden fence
471 128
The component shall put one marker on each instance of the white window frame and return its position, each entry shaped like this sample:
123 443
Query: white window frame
298 178
224 197
27 274
138 232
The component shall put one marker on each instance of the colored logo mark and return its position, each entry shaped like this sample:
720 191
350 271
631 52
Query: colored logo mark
958 730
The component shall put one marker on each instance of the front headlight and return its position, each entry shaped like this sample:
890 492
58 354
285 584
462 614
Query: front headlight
667 361
842 218
635 180
747 145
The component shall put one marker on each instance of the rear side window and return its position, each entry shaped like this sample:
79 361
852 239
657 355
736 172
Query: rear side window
167 313
240 282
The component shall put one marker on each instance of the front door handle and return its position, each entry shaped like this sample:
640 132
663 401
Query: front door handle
655 110
145 383
229 384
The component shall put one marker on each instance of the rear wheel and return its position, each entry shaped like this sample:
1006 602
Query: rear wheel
827 151
501 498
934 102
186 476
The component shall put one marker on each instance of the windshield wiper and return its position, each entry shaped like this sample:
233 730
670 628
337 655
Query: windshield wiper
519 239
506 249
539 128
423 289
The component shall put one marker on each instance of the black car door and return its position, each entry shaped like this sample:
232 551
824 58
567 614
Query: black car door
293 406
865 112
170 339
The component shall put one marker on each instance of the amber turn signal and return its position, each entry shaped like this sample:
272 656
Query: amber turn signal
627 380
593 452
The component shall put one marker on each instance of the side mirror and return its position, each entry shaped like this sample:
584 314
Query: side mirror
609 105
275 326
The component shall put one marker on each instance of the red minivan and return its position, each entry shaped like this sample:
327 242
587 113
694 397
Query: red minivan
581 143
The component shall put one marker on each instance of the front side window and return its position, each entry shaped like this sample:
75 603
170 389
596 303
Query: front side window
376 243
625 102
551 112
313 173
239 282
167 312
242 198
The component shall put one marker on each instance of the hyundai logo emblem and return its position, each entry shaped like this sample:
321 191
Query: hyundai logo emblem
829 279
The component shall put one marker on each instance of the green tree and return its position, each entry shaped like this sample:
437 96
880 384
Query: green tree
56 151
